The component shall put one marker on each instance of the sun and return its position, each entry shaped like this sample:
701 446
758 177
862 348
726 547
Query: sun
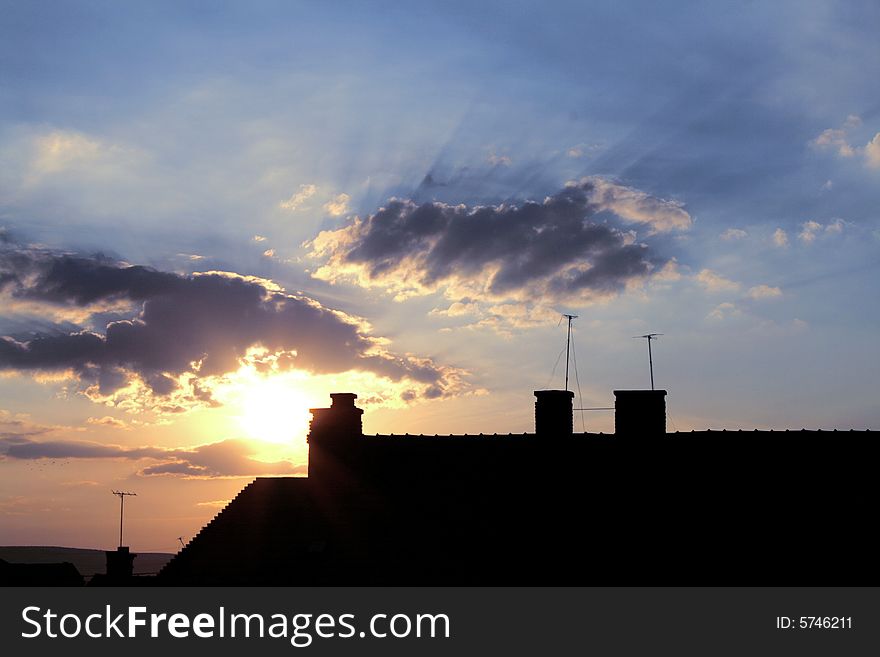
274 409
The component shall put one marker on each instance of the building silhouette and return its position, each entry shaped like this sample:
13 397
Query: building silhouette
39 574
640 506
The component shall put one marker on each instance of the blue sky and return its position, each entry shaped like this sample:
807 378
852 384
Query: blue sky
727 157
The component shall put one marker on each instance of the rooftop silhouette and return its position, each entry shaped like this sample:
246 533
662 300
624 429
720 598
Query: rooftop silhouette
553 507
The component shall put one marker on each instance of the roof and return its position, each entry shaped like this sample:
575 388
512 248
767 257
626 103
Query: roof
687 508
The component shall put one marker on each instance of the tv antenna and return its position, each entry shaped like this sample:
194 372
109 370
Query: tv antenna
568 346
180 539
649 337
121 494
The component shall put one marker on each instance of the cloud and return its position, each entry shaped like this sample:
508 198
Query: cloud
810 230
634 205
780 238
226 458
68 150
835 139
338 205
108 421
579 150
457 309
60 150
297 199
557 249
670 272
18 427
734 234
835 227
764 292
872 152
259 238
217 504
16 505
74 449
188 328
499 160
714 282
524 315
838 140
36 157
724 311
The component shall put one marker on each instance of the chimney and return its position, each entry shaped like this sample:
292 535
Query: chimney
120 563
553 412
334 435
640 413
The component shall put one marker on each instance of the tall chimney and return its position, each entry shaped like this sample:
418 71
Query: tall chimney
334 437
640 413
553 409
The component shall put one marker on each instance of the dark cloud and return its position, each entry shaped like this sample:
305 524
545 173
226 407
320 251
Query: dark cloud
201 324
75 449
74 280
227 458
570 244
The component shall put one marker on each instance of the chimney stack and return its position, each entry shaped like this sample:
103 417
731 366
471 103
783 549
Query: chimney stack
334 436
120 563
640 413
553 411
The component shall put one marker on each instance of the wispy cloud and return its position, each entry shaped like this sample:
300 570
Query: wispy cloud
724 311
108 421
296 200
764 292
499 160
812 229
338 205
457 309
780 238
214 503
19 427
836 139
734 234
808 231
715 282
872 152
839 141
226 458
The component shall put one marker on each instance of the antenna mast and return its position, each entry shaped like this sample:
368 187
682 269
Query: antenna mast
649 337
121 494
568 346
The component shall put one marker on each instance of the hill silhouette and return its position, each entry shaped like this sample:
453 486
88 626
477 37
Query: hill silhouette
88 562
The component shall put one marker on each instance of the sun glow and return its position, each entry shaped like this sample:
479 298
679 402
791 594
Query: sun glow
274 409
271 405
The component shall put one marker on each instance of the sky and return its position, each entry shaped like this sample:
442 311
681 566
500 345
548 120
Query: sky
212 215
